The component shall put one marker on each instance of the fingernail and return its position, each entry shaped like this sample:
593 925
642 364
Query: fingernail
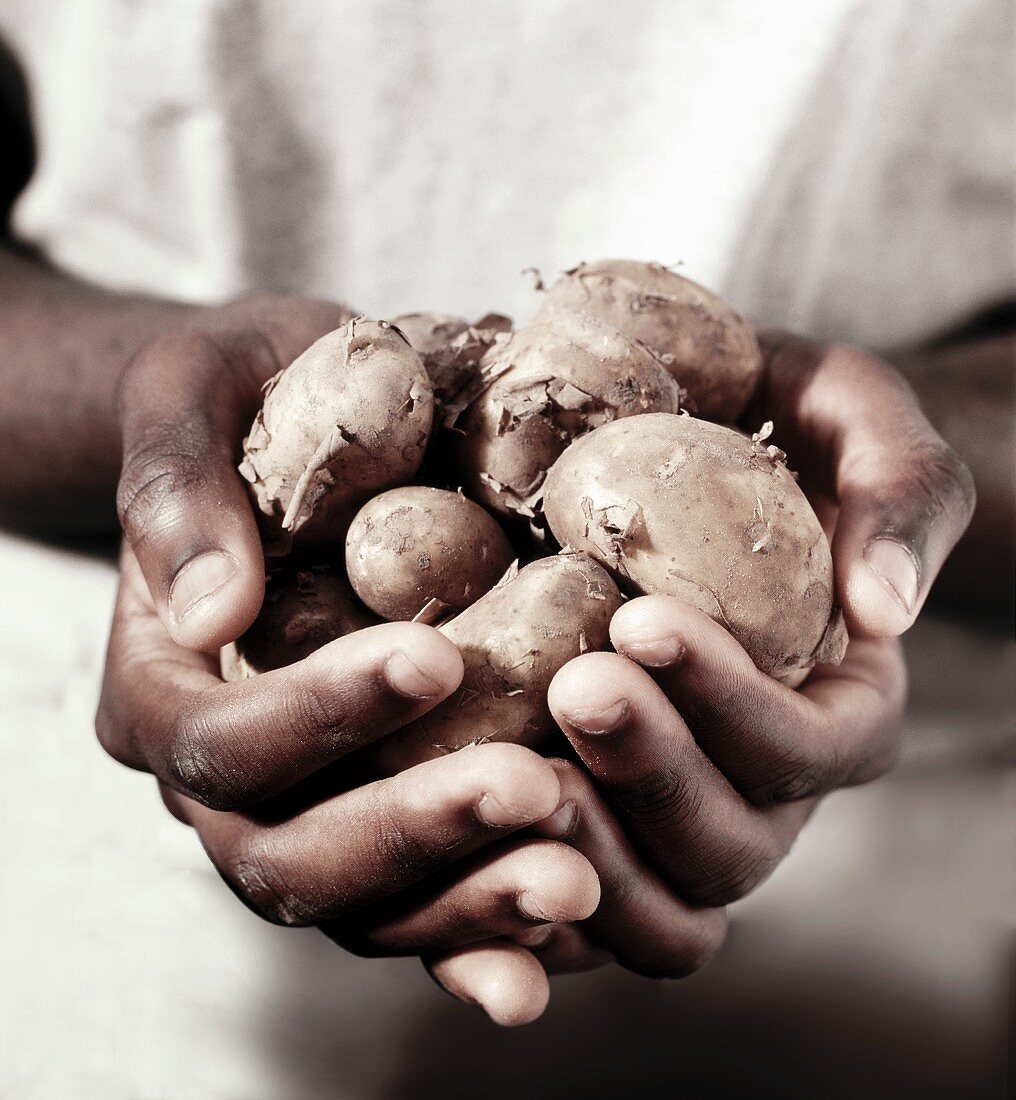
561 822
600 721
409 680
492 812
896 568
534 937
530 907
200 578
657 653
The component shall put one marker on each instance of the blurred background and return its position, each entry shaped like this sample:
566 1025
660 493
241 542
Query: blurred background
843 168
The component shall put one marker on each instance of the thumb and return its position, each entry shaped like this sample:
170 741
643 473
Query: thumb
183 404
905 500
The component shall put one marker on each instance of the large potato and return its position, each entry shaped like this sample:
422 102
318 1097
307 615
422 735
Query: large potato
304 608
709 349
551 381
677 505
513 641
350 417
409 546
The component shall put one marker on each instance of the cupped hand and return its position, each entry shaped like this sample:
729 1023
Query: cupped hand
703 769
428 861
415 864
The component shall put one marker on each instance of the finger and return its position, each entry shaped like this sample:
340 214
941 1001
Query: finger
773 744
563 949
502 891
905 497
639 920
229 745
708 843
504 979
363 845
184 403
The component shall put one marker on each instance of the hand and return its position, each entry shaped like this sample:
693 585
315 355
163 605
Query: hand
184 404
710 767
424 864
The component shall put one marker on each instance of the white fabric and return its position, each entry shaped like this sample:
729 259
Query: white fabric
844 167
837 165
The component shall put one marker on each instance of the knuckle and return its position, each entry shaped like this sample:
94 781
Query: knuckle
260 879
733 874
729 719
877 764
402 854
950 481
159 475
664 796
796 778
196 766
311 714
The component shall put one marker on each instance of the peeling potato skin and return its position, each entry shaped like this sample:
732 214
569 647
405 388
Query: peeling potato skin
512 641
677 505
710 349
411 545
552 381
430 332
451 348
351 416
304 609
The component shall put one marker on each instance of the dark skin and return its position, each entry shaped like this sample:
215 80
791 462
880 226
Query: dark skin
495 865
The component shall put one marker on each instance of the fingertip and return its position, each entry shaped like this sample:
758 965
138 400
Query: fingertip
590 683
651 630
417 662
504 979
520 1001
213 598
434 656
557 884
523 785
880 589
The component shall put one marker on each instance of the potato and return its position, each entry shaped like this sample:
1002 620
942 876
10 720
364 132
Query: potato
709 349
305 607
409 546
350 417
551 381
677 505
430 332
513 640
451 348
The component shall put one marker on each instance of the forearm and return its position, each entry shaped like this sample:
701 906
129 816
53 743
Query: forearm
63 345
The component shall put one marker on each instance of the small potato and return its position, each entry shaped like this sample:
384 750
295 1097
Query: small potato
304 609
451 348
350 417
708 348
552 381
677 505
409 546
512 641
